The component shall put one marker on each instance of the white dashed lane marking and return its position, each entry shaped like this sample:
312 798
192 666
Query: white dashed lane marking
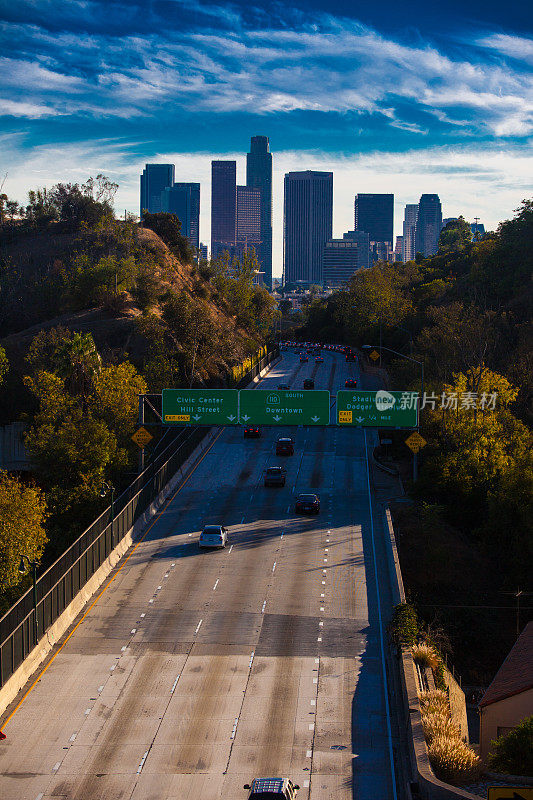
141 765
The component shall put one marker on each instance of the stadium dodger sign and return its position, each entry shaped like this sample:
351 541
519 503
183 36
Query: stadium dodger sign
381 409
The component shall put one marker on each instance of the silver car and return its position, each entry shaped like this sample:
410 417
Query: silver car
213 536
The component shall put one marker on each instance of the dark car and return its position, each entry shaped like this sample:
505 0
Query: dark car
283 386
252 432
307 504
350 356
319 360
350 383
309 383
275 476
303 359
285 446
271 789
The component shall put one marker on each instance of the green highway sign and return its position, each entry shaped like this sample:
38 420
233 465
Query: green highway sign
284 407
377 409
200 406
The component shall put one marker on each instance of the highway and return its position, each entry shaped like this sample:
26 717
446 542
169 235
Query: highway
196 671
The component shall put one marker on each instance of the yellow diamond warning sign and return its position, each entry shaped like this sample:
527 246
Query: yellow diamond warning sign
415 442
374 355
141 437
345 416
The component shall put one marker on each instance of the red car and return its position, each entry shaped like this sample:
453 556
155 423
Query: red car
307 504
252 432
284 446
350 383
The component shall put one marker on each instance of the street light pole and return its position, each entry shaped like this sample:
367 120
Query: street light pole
421 365
108 487
22 570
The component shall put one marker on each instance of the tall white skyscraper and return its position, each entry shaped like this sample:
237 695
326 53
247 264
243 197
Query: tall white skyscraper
409 228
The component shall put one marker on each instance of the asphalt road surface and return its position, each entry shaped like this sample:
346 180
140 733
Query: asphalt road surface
196 671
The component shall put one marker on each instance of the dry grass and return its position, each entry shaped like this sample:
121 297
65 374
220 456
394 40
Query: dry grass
425 655
452 760
438 724
434 702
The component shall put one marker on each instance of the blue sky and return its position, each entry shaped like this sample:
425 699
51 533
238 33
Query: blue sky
405 97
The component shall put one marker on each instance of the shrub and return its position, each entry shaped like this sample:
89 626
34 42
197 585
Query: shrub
452 760
513 753
404 625
439 724
201 290
435 702
438 674
146 291
425 655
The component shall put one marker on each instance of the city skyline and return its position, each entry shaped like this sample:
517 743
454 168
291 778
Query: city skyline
442 106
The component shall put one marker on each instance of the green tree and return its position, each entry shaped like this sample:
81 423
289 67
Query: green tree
78 363
116 397
22 517
513 753
457 338
376 295
455 236
168 228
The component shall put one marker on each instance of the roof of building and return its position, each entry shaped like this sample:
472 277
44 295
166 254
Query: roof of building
516 673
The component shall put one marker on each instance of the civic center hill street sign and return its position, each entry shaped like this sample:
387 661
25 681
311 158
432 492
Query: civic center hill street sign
381 409
284 407
200 406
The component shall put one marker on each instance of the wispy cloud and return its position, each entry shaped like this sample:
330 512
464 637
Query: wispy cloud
334 65
518 47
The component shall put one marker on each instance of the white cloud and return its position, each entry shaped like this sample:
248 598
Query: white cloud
488 183
336 65
21 108
518 47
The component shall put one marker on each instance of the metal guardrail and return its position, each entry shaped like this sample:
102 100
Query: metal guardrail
61 582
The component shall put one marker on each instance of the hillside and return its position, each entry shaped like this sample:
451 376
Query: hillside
128 289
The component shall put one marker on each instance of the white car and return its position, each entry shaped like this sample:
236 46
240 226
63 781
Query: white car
213 536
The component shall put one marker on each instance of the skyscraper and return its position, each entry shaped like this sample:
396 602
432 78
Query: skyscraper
307 225
363 246
154 179
374 214
183 200
398 249
259 176
248 216
428 225
223 206
340 262
409 228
